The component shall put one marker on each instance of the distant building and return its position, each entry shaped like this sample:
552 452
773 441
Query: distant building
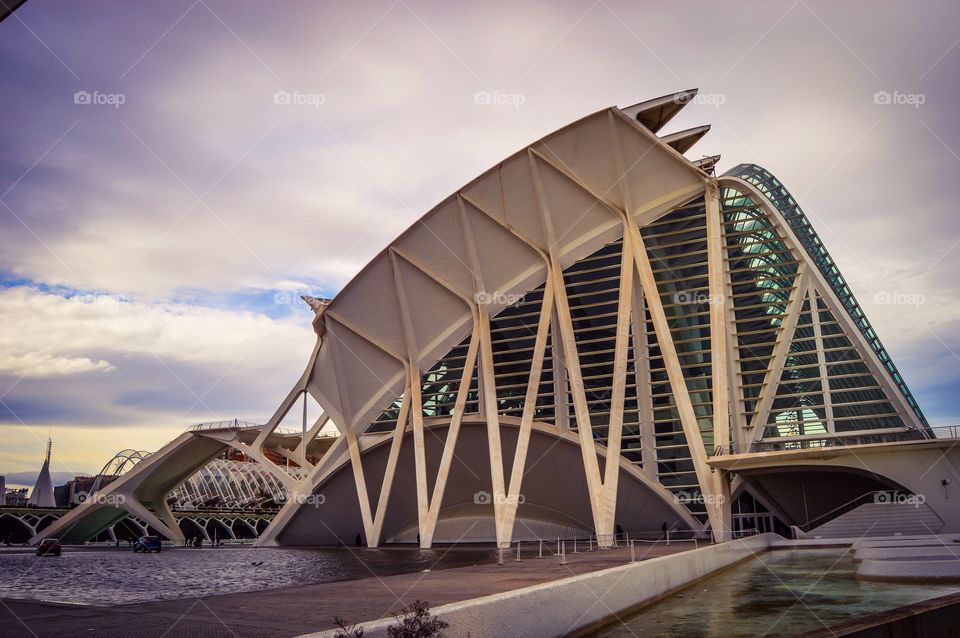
42 494
16 497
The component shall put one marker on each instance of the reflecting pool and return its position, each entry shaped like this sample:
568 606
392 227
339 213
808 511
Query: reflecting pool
781 593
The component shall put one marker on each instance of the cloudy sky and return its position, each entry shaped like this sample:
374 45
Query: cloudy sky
173 175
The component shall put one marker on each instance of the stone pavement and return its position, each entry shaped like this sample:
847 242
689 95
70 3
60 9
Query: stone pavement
291 611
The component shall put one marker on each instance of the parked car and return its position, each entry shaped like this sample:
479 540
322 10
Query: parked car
148 544
49 547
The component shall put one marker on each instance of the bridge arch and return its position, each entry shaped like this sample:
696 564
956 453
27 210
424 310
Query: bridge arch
14 529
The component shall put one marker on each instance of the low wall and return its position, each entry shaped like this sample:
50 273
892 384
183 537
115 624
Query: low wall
575 605
910 570
934 617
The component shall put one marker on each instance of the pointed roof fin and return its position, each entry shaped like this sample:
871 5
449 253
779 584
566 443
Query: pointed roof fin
682 141
707 164
318 304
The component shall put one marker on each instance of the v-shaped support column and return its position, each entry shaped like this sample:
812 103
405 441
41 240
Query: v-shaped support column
428 508
373 523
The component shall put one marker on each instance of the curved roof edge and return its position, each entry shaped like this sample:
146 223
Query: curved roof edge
562 195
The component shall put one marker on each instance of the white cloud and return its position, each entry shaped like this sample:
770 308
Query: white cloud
145 369
48 334
43 364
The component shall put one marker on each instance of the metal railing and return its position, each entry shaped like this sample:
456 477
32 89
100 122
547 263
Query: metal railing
846 439
946 431
843 508
744 533
224 425
560 548
237 424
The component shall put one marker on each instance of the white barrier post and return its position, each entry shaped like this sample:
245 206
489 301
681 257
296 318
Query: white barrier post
540 555
563 554
558 545
518 552
668 537
633 553
499 556
574 544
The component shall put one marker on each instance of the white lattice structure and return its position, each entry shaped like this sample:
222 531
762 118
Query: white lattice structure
595 334
595 277
224 483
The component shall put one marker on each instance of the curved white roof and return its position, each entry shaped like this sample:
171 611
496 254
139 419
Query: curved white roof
489 241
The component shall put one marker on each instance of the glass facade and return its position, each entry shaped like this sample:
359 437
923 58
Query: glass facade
763 274
795 217
813 395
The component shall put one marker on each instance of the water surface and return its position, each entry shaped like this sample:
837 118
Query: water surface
117 576
781 593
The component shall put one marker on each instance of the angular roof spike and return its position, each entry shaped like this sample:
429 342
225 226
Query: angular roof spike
682 141
655 113
707 164
318 304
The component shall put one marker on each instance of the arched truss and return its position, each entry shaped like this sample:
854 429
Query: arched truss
235 526
122 461
223 483
34 522
686 260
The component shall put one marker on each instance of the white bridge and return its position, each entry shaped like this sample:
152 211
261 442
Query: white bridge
143 494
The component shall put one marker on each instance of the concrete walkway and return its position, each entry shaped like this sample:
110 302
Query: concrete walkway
292 611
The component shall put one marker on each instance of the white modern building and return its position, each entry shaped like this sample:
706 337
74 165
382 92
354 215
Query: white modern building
596 335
